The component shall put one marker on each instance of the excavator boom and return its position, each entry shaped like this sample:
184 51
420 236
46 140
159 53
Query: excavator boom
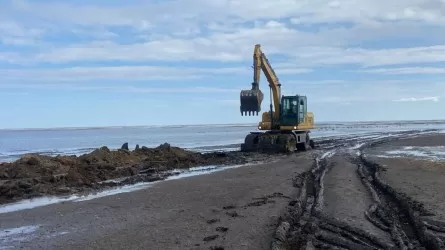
251 99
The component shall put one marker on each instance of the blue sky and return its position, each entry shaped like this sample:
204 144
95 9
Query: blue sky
112 63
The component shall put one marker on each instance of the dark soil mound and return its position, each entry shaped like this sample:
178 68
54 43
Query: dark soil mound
35 175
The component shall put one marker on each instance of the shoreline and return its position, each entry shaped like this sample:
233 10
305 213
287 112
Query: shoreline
120 188
34 176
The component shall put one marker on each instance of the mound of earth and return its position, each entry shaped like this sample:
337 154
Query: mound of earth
36 175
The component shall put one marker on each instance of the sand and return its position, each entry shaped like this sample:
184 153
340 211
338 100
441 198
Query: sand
236 208
324 203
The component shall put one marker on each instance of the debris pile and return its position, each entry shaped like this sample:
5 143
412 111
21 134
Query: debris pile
35 175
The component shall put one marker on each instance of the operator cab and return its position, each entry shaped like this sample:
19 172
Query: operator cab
293 110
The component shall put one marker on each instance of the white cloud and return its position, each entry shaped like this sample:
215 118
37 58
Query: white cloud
12 33
359 91
303 49
406 70
131 73
368 57
220 31
226 30
419 99
304 11
119 89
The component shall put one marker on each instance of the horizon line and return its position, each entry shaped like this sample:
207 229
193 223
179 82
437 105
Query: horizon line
202 124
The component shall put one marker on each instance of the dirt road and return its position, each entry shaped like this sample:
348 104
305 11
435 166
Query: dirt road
349 197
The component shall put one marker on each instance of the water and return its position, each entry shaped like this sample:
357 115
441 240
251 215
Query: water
15 143
436 153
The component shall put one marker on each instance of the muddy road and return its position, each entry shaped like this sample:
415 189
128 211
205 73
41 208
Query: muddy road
344 203
338 196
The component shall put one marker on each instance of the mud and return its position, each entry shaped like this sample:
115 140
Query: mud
309 223
346 199
38 175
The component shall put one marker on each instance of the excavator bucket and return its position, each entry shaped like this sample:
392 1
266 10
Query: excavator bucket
251 101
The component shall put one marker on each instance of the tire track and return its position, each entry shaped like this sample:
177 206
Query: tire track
306 225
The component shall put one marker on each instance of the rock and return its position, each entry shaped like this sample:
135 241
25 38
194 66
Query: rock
24 185
164 146
137 147
104 148
33 161
125 146
126 151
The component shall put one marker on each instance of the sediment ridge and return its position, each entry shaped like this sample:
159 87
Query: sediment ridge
35 175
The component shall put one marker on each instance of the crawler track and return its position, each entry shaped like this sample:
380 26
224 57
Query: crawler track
307 226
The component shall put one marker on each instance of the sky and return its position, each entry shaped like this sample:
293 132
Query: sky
120 63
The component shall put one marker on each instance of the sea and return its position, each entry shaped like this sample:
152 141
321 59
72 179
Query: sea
14 143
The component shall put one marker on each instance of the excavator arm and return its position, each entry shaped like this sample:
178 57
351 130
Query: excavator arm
251 99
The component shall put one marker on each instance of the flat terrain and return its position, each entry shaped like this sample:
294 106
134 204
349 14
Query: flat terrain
355 195
420 178
236 208
372 193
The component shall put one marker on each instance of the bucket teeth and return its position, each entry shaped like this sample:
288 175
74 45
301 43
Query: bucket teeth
249 113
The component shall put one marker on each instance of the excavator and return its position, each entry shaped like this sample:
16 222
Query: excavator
286 127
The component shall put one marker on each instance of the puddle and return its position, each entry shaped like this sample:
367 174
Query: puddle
204 170
179 174
357 146
326 154
16 235
430 153
10 237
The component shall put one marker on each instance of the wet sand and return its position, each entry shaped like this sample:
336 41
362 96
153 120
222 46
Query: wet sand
421 178
235 208
240 208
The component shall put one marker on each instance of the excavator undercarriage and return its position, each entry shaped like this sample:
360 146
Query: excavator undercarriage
277 141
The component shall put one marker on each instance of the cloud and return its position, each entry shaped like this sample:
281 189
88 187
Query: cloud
119 88
12 33
133 73
370 57
237 46
314 11
419 99
364 90
332 43
308 33
406 71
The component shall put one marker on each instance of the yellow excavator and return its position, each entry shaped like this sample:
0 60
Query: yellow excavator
287 125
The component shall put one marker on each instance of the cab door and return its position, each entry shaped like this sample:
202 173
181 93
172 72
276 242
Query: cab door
289 111
302 108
